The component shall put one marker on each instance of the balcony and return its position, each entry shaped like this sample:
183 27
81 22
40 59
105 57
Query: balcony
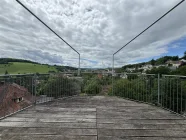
95 106
92 118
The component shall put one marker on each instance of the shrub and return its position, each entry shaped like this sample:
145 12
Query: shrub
58 86
136 89
92 86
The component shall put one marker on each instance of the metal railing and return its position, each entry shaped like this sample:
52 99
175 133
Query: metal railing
55 86
18 92
173 93
142 32
166 91
98 83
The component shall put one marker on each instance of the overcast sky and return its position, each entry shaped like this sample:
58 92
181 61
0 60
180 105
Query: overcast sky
95 28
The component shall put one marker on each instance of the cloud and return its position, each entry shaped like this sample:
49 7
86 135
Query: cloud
96 29
175 46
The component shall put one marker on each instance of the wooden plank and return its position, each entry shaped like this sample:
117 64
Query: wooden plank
108 118
70 120
45 125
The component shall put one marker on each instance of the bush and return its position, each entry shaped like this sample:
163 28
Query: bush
161 70
180 71
137 89
58 86
172 91
173 94
92 86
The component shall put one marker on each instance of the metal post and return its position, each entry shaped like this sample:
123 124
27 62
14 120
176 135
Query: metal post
32 86
182 100
170 94
177 98
35 86
167 93
158 88
113 75
173 94
113 65
79 67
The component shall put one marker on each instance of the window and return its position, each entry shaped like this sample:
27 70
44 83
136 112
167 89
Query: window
14 100
20 99
17 100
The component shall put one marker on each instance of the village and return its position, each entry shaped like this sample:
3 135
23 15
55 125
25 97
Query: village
172 65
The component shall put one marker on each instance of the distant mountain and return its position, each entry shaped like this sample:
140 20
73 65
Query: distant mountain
159 61
7 60
175 66
21 66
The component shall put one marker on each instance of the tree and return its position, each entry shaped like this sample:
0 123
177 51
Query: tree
6 72
184 57
175 58
58 86
118 70
93 87
160 70
180 71
153 62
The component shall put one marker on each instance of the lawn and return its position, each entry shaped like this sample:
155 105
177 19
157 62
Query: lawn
23 68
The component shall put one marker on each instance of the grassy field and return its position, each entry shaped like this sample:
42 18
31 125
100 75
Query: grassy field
23 68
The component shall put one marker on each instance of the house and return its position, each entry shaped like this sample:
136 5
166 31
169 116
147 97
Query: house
103 73
107 72
183 62
147 67
67 75
176 64
173 64
13 97
124 76
130 69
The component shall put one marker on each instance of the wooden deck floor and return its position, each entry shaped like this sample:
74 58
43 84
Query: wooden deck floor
92 118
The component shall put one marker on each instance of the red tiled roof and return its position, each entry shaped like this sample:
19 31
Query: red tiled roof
11 91
2 92
19 87
1 89
17 95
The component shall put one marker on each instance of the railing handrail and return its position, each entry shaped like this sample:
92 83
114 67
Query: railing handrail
174 76
32 74
52 32
150 25
135 73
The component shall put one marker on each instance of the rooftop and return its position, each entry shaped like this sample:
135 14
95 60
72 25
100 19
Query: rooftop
92 118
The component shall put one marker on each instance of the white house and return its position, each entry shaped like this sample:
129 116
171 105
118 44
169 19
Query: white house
183 61
160 66
130 69
124 76
147 67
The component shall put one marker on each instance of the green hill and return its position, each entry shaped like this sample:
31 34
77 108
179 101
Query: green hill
25 67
